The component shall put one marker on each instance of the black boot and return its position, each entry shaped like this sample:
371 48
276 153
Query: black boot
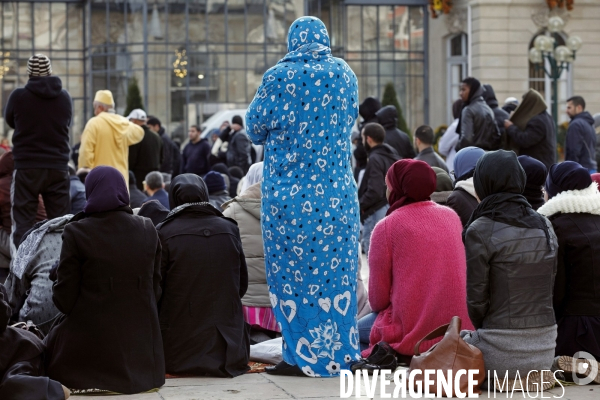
284 369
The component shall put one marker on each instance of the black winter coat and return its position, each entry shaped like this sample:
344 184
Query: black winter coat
371 193
40 113
580 145
577 286
388 118
239 150
171 163
204 278
108 286
145 156
538 140
463 204
510 275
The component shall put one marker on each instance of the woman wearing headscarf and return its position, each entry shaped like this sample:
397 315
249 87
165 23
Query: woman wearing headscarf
477 125
443 188
462 199
107 286
511 264
531 129
204 278
536 173
573 207
432 286
303 113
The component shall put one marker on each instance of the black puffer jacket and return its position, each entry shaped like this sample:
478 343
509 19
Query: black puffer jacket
510 275
388 118
538 140
499 114
478 125
371 193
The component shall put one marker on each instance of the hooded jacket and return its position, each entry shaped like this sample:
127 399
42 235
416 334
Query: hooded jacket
499 114
40 113
245 210
106 140
388 118
204 277
462 200
580 144
478 124
7 167
371 193
537 140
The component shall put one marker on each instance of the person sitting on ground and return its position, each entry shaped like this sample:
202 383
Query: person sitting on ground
245 210
424 144
204 271
21 363
136 196
154 210
404 313
371 191
511 264
223 170
77 192
573 207
462 200
217 189
448 141
536 177
443 188
7 166
155 187
107 286
388 118
28 285
531 129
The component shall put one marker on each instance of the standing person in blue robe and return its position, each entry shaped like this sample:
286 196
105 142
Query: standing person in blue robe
303 113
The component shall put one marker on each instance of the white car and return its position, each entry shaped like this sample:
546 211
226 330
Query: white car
215 121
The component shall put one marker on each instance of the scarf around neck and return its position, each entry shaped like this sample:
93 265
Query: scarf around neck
584 201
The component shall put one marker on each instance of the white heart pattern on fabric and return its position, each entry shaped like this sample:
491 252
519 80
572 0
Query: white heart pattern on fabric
291 88
287 288
313 289
290 74
273 298
354 338
303 342
326 100
335 263
338 298
303 36
325 304
298 250
292 309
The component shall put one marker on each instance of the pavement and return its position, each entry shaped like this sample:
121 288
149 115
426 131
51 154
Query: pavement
267 387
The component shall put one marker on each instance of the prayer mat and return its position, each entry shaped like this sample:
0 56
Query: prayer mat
101 392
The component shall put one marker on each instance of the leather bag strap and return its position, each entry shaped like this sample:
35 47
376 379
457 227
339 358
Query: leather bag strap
432 335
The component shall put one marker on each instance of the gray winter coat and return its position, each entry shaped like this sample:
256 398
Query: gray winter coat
478 125
239 151
245 210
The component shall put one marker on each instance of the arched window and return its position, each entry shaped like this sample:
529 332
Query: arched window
457 61
539 81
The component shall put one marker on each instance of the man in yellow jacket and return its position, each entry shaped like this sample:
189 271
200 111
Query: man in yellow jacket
107 137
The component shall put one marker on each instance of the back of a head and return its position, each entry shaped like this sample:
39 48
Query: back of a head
132 180
237 120
187 188
154 180
425 134
236 172
153 121
444 182
465 162
220 168
535 170
38 66
214 182
369 107
457 108
577 101
154 210
490 179
567 175
375 131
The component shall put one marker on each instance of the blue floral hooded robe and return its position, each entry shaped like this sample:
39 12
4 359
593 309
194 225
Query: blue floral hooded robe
303 114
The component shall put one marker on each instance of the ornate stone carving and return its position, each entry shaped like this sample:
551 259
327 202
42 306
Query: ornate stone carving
456 20
540 15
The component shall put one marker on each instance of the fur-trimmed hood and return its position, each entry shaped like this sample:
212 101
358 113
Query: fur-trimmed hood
586 201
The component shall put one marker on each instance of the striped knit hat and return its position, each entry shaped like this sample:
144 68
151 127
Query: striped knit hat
39 65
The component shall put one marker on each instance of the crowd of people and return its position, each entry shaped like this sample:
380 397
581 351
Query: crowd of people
128 258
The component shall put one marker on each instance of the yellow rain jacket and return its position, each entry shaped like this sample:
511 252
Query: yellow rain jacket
106 140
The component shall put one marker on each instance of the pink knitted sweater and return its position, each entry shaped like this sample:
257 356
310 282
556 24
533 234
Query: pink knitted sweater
417 275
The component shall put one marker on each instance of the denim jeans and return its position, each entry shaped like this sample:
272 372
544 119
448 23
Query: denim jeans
369 225
364 329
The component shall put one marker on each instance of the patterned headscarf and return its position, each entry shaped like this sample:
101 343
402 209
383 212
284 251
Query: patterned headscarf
305 31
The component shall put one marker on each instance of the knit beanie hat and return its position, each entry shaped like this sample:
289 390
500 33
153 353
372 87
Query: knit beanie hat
214 182
568 175
39 65
237 120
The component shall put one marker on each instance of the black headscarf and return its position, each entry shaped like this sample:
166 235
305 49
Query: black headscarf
187 188
501 193
474 85
105 190
536 176
154 210
567 175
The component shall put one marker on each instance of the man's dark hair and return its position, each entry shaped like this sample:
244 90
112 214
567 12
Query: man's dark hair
457 108
374 131
577 101
154 180
153 121
196 127
425 134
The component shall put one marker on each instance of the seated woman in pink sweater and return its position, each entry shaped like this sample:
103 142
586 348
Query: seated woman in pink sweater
417 264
